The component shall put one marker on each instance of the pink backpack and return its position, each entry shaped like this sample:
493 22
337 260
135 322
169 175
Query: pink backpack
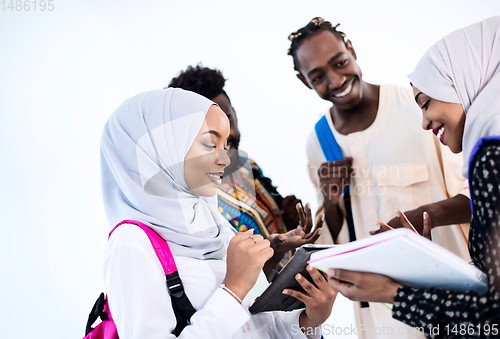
181 305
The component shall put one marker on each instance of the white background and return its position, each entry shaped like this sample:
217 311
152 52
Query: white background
62 73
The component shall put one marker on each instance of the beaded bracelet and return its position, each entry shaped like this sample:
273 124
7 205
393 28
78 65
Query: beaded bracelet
225 288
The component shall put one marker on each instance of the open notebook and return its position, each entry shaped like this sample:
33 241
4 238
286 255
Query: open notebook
405 257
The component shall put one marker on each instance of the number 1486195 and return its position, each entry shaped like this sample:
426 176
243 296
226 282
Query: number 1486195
27 5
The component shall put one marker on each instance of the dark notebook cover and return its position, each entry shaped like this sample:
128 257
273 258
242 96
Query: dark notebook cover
272 299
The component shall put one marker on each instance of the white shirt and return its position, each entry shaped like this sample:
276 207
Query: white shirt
140 303
398 165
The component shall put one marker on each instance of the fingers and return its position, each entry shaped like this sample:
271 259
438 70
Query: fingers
320 219
404 221
258 243
302 216
427 226
341 169
344 275
310 289
306 220
317 234
257 238
306 285
264 255
345 282
374 232
309 221
245 233
383 227
312 237
340 172
253 241
242 236
261 248
296 294
318 278
338 163
298 232
340 286
276 240
363 286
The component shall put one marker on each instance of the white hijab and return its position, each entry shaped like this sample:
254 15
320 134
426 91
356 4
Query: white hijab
464 68
143 146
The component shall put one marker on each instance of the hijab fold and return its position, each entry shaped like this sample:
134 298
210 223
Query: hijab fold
464 68
143 147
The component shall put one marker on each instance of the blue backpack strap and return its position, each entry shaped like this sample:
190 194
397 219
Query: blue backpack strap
332 152
329 145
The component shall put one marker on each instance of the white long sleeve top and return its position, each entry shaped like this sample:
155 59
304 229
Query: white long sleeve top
140 303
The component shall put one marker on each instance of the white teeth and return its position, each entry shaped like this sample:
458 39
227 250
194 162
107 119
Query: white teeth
214 176
440 132
344 92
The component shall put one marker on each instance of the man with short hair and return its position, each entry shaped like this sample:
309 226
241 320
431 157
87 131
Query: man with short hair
390 161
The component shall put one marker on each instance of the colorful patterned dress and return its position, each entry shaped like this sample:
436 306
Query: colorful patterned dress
247 200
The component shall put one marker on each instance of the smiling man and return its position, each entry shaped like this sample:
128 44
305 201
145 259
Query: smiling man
389 161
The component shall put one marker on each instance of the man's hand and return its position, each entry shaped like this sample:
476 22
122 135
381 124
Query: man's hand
333 177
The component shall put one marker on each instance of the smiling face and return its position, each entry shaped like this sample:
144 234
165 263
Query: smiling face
446 120
206 160
329 67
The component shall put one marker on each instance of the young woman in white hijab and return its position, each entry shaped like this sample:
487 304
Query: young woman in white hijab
162 157
457 86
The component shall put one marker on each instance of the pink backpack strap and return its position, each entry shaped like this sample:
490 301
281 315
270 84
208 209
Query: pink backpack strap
159 244
182 307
